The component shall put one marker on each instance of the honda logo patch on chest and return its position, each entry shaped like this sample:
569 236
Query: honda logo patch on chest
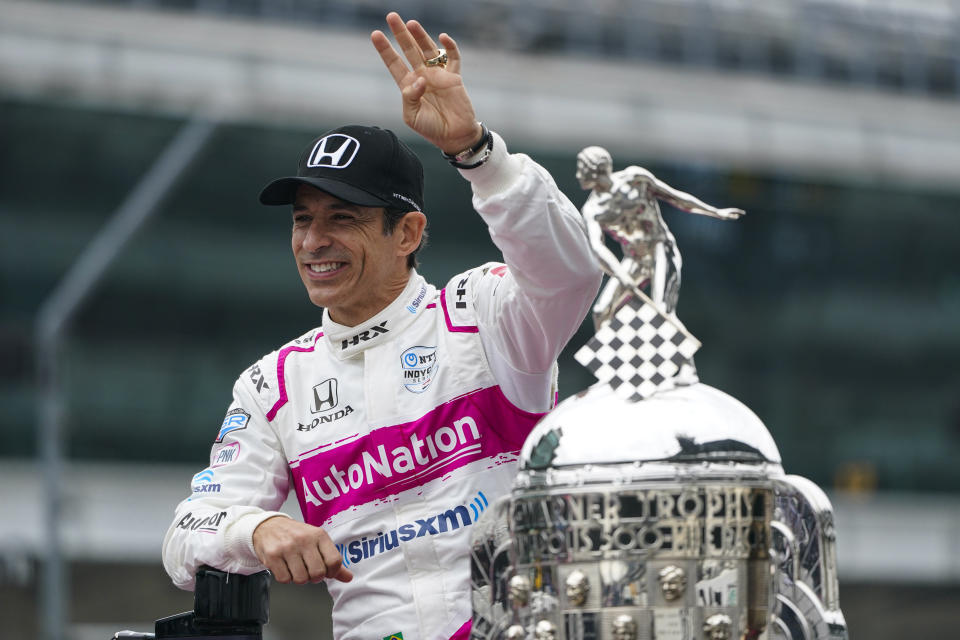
325 403
325 396
335 151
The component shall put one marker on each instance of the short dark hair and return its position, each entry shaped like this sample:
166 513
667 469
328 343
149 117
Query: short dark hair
391 217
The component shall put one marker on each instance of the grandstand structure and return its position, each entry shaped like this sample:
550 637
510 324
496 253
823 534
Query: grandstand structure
832 309
741 84
894 44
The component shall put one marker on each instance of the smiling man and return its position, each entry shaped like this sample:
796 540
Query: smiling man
357 219
399 419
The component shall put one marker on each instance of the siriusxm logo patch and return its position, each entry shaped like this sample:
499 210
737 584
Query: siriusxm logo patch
415 304
356 551
203 482
235 420
419 367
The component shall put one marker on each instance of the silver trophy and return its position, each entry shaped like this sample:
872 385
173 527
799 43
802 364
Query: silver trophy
651 506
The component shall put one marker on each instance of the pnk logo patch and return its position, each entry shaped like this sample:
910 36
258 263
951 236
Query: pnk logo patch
419 367
227 454
235 420
394 636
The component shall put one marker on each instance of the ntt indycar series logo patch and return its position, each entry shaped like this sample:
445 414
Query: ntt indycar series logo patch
464 515
419 365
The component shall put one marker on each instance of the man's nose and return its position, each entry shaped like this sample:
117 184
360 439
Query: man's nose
317 237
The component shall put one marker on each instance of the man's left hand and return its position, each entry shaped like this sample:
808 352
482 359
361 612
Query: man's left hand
435 102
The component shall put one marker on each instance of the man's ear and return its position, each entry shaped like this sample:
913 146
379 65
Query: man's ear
409 232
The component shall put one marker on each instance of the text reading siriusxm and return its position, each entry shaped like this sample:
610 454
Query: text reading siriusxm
450 520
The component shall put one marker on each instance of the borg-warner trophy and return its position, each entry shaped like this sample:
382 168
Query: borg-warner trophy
651 506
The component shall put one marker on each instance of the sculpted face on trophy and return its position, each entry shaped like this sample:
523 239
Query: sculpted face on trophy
673 582
545 630
520 590
515 632
719 626
577 588
624 628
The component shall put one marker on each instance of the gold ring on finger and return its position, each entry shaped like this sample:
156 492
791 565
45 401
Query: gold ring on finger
439 60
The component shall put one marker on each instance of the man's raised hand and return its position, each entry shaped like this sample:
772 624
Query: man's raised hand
435 102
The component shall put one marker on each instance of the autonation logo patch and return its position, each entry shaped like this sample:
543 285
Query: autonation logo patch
358 550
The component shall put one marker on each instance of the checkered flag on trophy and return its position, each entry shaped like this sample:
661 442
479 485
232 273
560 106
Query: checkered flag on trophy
639 351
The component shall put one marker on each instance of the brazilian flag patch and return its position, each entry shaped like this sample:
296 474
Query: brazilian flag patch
394 636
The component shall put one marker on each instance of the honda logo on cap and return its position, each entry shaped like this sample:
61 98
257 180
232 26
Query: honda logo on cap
325 396
335 151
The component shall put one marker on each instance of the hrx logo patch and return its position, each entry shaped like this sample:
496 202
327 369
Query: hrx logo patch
365 335
257 378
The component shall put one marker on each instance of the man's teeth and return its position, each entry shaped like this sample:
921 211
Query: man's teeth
326 266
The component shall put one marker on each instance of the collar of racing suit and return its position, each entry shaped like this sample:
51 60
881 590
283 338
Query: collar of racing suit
346 342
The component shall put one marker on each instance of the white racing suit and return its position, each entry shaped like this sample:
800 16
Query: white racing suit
398 433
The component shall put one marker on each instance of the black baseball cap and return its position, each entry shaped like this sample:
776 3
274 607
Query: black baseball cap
363 165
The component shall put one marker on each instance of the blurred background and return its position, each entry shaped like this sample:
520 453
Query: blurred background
832 309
